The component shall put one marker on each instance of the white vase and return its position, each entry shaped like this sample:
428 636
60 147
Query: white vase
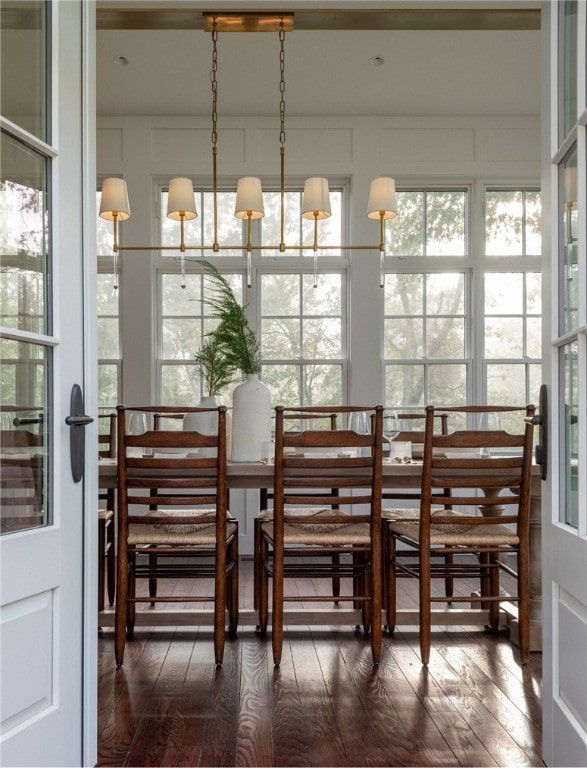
251 419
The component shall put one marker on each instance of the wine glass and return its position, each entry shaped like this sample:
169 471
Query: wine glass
359 422
137 425
390 432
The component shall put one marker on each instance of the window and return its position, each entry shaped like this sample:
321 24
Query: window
300 328
108 299
465 326
302 338
184 321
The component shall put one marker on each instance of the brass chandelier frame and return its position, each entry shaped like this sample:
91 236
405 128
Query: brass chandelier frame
120 211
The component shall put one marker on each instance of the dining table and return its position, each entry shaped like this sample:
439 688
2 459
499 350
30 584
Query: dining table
396 475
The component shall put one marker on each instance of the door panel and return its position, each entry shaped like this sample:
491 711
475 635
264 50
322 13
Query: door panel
564 525
45 606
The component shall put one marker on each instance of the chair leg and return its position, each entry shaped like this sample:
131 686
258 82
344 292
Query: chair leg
233 579
391 587
257 564
375 608
152 580
219 604
121 606
524 606
263 584
336 578
131 607
366 612
277 605
494 582
449 581
101 555
425 606
111 563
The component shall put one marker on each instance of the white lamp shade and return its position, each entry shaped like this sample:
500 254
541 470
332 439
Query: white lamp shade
114 200
382 201
181 200
249 198
316 199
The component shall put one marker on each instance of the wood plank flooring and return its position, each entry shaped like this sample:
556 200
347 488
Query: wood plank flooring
325 706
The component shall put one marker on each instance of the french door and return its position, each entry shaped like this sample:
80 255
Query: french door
47 614
564 525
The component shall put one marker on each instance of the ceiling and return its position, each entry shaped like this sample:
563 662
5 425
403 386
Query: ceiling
395 59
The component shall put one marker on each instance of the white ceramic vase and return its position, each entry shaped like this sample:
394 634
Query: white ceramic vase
251 419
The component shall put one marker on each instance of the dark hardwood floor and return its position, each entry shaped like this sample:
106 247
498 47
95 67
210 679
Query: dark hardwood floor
325 706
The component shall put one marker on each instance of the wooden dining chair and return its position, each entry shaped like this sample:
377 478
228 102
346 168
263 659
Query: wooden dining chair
485 519
308 528
411 430
175 503
293 419
106 522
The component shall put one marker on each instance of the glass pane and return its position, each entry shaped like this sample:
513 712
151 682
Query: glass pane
504 293
506 384
504 337
107 385
504 212
104 232
23 53
569 230
447 384
280 295
404 338
568 89
284 382
23 237
445 224
107 299
445 294
271 224
181 339
176 300
326 298
445 337
180 384
533 293
534 337
404 386
24 436
569 418
535 380
404 294
404 235
280 338
322 385
533 223
108 342
322 338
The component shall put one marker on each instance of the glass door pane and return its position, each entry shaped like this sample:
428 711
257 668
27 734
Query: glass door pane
23 88
569 220
568 72
569 420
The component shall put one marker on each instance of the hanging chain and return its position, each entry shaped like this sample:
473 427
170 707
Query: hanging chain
214 83
282 83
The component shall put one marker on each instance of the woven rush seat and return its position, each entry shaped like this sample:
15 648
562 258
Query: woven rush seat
313 525
456 535
335 535
406 514
182 533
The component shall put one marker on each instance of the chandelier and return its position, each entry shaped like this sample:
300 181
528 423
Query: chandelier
181 207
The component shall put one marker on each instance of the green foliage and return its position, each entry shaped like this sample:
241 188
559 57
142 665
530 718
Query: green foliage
234 337
217 370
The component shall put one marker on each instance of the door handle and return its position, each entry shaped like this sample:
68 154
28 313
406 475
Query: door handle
76 421
541 451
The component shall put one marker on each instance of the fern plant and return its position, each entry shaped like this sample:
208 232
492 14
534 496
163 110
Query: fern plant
218 373
235 339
